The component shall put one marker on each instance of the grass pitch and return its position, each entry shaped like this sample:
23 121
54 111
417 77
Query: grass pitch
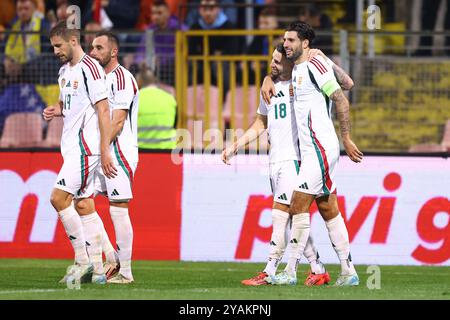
167 280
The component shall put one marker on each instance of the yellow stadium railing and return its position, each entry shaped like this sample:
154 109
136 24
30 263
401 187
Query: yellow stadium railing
191 107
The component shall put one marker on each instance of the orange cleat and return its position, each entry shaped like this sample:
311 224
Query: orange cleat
111 269
258 280
317 279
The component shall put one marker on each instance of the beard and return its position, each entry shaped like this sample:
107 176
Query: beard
65 58
295 55
274 73
103 62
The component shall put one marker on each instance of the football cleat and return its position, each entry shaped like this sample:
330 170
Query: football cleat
347 280
69 271
98 278
258 280
282 279
120 279
111 269
317 279
81 273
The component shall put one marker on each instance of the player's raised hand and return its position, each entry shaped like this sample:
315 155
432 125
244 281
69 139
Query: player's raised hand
267 89
49 113
108 167
352 150
228 153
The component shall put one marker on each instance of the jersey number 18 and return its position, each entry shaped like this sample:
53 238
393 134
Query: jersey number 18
280 111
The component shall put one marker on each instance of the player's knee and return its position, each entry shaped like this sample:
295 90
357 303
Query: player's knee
59 200
328 210
294 209
298 206
54 200
122 203
81 205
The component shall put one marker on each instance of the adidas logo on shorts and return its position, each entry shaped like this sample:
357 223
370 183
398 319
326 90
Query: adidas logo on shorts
304 186
283 197
114 193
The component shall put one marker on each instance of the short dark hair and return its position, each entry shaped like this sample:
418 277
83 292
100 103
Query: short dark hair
159 3
268 12
111 37
209 3
61 30
280 48
304 31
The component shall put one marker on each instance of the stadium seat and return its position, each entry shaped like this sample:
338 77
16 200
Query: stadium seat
427 147
200 103
22 130
167 88
199 113
253 100
54 132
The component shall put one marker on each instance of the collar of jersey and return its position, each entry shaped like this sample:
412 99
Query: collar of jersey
115 68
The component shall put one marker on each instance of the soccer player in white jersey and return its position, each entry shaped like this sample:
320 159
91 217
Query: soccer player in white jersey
84 145
284 157
123 95
315 86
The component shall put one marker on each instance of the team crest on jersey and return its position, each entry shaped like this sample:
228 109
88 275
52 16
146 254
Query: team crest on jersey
299 81
75 85
63 82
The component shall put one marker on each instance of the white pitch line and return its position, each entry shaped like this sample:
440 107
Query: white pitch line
184 290
198 290
31 291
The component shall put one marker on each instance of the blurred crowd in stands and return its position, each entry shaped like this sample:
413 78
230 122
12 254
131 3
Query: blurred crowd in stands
28 67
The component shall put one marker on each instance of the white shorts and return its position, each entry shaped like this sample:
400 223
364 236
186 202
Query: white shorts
317 173
283 180
77 175
118 188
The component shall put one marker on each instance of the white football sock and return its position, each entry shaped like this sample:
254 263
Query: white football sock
280 220
124 238
74 229
299 237
107 247
312 254
93 230
338 234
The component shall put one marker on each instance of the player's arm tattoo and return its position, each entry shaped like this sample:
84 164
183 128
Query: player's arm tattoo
344 80
343 112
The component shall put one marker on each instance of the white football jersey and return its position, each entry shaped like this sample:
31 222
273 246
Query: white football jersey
313 107
81 87
123 93
281 126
